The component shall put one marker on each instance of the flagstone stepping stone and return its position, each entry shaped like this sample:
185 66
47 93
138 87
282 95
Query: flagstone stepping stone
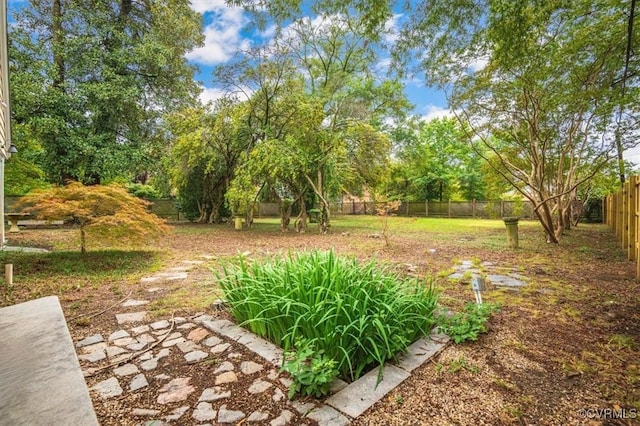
145 412
195 356
211 341
133 302
154 289
277 395
186 326
126 370
115 351
177 413
204 411
198 334
225 366
303 407
283 419
94 347
229 416
109 388
145 338
136 346
131 317
124 341
505 281
259 386
218 349
158 325
214 394
227 377
328 416
140 329
91 340
172 342
176 390
202 318
250 367
257 416
145 356
138 382
188 346
95 356
118 335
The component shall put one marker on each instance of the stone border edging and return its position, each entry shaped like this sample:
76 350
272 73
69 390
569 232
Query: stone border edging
347 401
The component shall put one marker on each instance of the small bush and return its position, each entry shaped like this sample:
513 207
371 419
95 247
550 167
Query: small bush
355 314
312 371
468 324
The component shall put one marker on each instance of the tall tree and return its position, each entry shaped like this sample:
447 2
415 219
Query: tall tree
548 88
91 81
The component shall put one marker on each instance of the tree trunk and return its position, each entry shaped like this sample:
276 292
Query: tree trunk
301 220
83 240
285 214
58 40
543 213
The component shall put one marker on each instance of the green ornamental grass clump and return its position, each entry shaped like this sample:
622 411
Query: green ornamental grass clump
352 314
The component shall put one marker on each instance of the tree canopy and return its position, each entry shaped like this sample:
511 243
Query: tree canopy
91 80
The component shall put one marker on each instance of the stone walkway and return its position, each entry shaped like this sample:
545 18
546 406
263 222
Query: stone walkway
499 276
133 358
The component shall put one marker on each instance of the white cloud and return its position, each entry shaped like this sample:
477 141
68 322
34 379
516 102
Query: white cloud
392 29
204 6
211 94
478 65
431 112
223 36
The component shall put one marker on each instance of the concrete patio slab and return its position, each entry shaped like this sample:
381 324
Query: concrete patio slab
40 378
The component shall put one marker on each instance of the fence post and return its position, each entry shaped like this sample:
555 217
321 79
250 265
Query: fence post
625 219
449 208
473 208
631 216
426 208
501 208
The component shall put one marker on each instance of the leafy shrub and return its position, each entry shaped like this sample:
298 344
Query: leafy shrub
107 212
355 314
147 192
468 324
312 371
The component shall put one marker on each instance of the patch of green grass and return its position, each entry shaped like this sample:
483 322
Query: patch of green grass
357 314
461 363
503 384
57 273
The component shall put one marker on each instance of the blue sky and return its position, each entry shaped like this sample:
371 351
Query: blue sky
225 34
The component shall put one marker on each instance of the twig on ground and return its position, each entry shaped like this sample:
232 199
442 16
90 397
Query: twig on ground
102 311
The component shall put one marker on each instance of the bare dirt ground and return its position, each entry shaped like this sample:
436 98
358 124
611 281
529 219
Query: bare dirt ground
563 350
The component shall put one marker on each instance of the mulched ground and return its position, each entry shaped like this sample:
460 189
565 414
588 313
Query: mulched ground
560 351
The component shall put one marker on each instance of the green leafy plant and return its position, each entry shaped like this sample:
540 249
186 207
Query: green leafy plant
312 371
460 364
358 315
468 324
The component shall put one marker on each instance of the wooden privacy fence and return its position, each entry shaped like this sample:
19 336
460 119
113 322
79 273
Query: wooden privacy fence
622 214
